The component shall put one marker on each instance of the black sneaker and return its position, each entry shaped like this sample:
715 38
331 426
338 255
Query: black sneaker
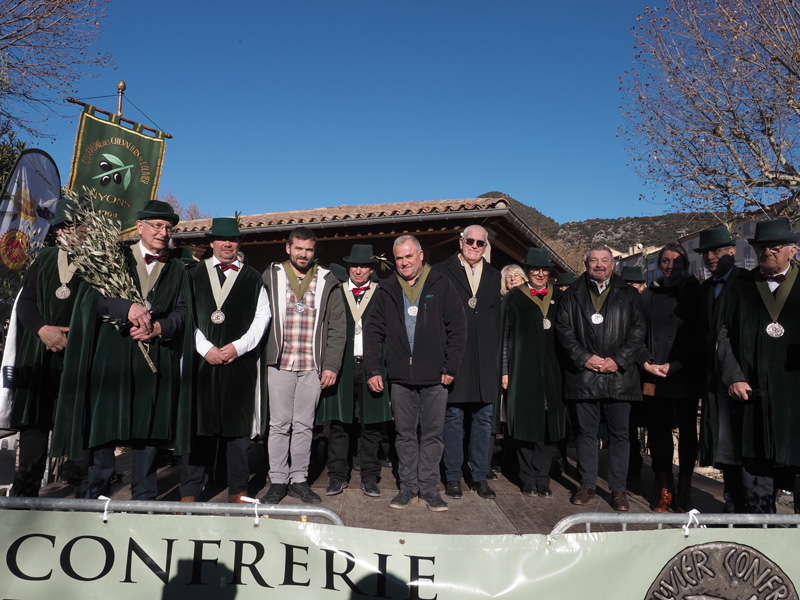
402 500
303 491
275 493
434 501
483 489
453 489
370 489
336 486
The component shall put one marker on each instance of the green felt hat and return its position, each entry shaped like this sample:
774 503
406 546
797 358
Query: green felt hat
716 237
632 275
155 209
361 254
565 278
60 217
224 227
538 257
773 232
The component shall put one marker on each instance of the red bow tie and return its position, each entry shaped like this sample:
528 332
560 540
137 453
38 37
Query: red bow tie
780 278
540 293
225 266
149 258
360 290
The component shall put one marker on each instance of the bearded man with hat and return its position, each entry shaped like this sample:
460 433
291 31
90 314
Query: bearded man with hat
535 414
231 314
110 395
357 415
760 366
34 354
717 446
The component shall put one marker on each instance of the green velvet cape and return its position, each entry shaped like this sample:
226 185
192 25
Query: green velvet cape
770 423
533 370
337 402
37 372
108 392
225 395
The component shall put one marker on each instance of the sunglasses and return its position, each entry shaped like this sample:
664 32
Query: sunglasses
474 242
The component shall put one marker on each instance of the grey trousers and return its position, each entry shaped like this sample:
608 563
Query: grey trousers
293 398
419 454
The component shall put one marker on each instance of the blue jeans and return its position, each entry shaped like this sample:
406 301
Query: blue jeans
479 440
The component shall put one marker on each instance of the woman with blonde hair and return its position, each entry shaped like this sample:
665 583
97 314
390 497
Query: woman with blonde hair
510 277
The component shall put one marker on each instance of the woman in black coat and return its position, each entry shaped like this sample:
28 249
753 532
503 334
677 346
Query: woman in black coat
672 381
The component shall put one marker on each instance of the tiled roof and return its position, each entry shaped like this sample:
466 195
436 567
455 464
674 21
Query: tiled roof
345 212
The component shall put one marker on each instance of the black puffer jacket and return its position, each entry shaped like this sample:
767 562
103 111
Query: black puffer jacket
439 337
620 336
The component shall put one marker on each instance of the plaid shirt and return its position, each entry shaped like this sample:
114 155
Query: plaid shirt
298 331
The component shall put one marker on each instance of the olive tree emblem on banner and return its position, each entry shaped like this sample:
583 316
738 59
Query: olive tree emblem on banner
122 164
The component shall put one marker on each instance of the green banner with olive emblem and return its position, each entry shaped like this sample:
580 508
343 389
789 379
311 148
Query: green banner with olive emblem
122 164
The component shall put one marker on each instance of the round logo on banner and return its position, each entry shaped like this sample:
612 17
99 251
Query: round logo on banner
13 247
721 570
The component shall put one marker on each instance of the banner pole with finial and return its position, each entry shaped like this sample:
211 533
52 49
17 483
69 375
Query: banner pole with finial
120 92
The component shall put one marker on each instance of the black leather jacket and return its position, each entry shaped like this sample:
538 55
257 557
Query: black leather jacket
620 336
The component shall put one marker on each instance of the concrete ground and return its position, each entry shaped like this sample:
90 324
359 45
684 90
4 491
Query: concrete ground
510 513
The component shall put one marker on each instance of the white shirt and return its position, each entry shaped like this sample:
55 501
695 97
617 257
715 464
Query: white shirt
145 252
773 285
254 333
601 286
358 340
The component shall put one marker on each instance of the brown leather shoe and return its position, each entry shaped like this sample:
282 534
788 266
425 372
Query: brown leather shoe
188 499
236 498
619 500
583 496
664 502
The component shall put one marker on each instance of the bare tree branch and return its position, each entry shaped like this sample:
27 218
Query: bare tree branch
46 46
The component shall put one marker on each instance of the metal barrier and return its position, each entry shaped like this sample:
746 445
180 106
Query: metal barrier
161 507
692 519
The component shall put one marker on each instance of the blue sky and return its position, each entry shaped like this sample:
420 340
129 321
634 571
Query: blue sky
301 104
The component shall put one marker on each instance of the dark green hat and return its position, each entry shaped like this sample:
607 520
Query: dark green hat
361 254
538 257
565 278
60 217
224 227
632 275
339 272
155 209
716 237
773 232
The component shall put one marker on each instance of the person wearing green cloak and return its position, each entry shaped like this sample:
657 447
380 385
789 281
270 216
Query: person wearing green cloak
717 446
109 393
760 366
43 310
535 414
231 313
357 415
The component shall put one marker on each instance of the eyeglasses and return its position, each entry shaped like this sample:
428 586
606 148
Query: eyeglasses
158 227
761 248
474 242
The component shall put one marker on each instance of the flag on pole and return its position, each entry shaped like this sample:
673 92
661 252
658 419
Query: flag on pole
122 164
27 201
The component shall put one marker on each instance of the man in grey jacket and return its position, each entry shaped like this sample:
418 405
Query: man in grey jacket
305 345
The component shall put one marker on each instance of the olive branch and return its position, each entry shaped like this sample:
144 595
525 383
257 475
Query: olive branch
98 254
